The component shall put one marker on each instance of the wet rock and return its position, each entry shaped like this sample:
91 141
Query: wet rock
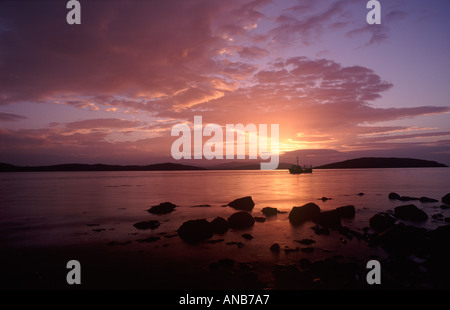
305 241
446 199
162 208
247 236
244 204
438 216
445 207
346 211
149 239
427 199
214 241
240 220
153 224
305 263
381 221
325 199
329 219
361 194
410 212
219 225
259 219
394 196
299 215
288 250
194 231
319 230
201 206
405 239
309 249
238 243
269 211
275 247
447 219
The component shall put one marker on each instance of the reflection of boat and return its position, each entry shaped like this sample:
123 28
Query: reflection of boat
297 169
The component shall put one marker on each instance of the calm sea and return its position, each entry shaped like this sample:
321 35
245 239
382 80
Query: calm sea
63 208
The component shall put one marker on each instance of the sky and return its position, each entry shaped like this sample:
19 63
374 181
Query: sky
110 89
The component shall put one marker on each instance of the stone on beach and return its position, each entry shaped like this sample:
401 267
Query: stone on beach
153 224
299 215
219 225
381 221
162 208
243 204
410 212
329 219
346 211
241 220
269 211
446 199
194 231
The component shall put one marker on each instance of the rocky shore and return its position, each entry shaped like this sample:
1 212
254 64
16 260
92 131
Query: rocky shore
205 253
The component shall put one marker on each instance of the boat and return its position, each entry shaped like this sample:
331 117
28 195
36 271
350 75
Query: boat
297 169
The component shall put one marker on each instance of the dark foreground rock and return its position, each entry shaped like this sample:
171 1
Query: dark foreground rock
269 211
195 231
446 199
346 211
329 219
299 215
219 225
153 224
410 212
241 220
162 208
395 196
382 221
244 204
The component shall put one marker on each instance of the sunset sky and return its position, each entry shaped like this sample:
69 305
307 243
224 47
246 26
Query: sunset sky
111 89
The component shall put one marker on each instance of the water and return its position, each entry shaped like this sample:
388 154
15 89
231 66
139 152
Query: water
63 208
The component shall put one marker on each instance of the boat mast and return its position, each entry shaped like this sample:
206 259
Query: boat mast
297 160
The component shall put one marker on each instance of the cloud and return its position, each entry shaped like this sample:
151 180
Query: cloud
11 117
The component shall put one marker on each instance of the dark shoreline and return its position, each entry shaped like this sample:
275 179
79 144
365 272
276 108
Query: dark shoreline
417 259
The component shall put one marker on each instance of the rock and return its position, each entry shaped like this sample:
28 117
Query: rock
299 215
244 204
445 207
438 216
410 212
305 263
309 249
319 230
239 244
149 239
328 219
275 247
259 219
194 231
394 196
306 241
426 199
346 211
201 206
241 220
404 239
219 225
446 199
269 211
325 199
162 208
361 194
247 236
447 219
381 221
287 251
226 263
147 225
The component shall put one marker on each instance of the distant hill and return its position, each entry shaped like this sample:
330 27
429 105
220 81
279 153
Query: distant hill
244 166
382 162
97 167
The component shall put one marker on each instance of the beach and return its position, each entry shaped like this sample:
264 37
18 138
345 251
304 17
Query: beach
97 227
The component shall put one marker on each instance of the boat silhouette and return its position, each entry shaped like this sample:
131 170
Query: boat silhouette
297 169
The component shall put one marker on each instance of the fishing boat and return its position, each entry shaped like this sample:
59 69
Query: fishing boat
297 169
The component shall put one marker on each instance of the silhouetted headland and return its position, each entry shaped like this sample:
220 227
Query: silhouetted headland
382 162
98 167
